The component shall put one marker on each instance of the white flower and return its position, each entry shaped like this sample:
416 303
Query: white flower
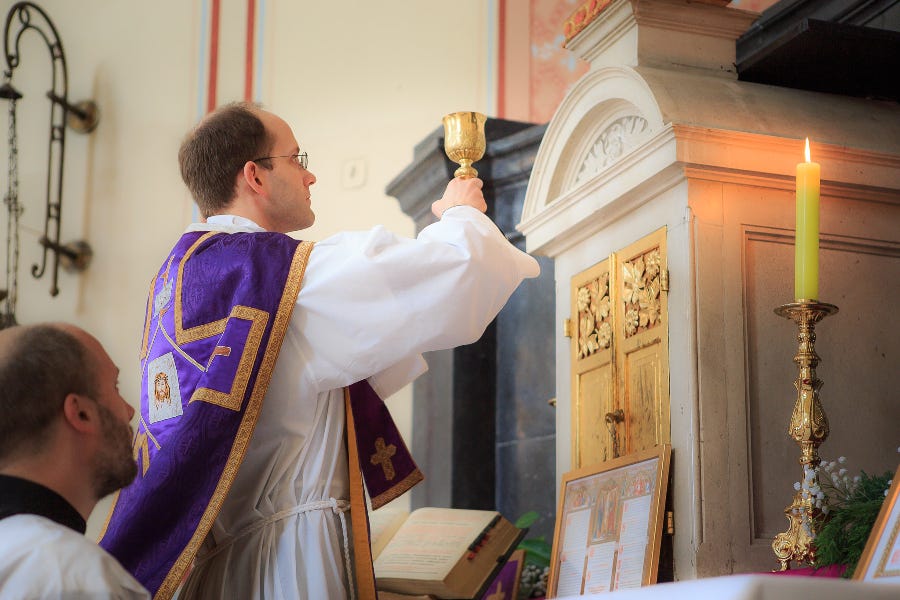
842 459
797 485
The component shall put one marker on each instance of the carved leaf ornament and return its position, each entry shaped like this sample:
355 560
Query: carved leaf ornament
640 278
615 141
594 328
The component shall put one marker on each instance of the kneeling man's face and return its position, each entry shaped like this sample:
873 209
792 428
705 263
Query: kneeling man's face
114 465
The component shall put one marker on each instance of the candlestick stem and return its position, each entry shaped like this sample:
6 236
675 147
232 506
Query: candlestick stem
809 428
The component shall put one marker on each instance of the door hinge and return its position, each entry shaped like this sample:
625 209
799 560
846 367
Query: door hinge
567 327
664 280
670 522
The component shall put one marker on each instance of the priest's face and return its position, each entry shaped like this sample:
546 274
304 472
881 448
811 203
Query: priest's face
288 205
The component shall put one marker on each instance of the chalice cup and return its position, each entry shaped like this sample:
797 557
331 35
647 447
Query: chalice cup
464 141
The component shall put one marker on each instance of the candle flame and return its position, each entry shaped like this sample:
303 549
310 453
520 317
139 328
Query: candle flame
807 149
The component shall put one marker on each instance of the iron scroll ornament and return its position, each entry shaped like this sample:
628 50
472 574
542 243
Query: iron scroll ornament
81 117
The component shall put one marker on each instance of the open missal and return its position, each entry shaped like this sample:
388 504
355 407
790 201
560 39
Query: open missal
443 552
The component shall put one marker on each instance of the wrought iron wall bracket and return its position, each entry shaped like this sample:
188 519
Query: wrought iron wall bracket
82 117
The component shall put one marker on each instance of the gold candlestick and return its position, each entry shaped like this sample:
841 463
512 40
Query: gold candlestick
464 141
809 428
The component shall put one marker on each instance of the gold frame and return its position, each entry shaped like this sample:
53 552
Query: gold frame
582 487
884 542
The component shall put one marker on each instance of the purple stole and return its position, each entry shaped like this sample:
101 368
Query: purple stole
386 464
216 317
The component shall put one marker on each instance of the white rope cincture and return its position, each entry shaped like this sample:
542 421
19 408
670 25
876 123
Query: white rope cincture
339 507
340 510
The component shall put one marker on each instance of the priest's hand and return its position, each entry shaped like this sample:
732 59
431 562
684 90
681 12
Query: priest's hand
461 192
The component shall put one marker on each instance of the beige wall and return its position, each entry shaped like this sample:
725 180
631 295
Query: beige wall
359 81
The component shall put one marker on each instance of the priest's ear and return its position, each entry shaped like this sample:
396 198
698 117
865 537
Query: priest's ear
80 413
253 177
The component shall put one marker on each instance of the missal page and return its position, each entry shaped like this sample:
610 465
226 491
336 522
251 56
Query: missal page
383 525
430 542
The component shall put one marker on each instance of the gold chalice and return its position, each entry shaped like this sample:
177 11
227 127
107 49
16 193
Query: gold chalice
464 141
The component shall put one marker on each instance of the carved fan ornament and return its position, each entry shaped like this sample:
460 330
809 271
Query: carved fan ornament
640 297
594 327
615 141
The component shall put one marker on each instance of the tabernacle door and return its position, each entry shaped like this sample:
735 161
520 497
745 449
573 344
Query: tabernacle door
593 375
642 348
620 359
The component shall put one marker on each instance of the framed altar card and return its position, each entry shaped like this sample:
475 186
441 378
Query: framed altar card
609 524
880 560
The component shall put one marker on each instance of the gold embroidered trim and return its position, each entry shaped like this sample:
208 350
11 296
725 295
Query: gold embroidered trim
397 490
144 347
149 434
359 518
152 341
232 400
178 349
141 448
109 515
239 448
218 351
150 302
182 335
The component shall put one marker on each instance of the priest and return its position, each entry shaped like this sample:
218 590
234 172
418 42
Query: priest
264 359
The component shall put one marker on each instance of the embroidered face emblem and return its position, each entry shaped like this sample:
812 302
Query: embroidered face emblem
163 390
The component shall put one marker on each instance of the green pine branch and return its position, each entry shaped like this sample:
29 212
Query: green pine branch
843 532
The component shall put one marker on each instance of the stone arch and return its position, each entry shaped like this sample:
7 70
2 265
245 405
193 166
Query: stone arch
607 114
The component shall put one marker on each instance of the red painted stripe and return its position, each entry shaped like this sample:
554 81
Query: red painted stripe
213 57
501 60
248 66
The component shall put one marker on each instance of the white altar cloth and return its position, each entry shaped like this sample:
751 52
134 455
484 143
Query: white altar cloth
758 587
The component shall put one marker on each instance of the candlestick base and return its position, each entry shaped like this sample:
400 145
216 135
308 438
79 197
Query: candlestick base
809 428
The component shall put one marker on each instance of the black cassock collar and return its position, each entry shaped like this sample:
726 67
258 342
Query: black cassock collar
22 497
